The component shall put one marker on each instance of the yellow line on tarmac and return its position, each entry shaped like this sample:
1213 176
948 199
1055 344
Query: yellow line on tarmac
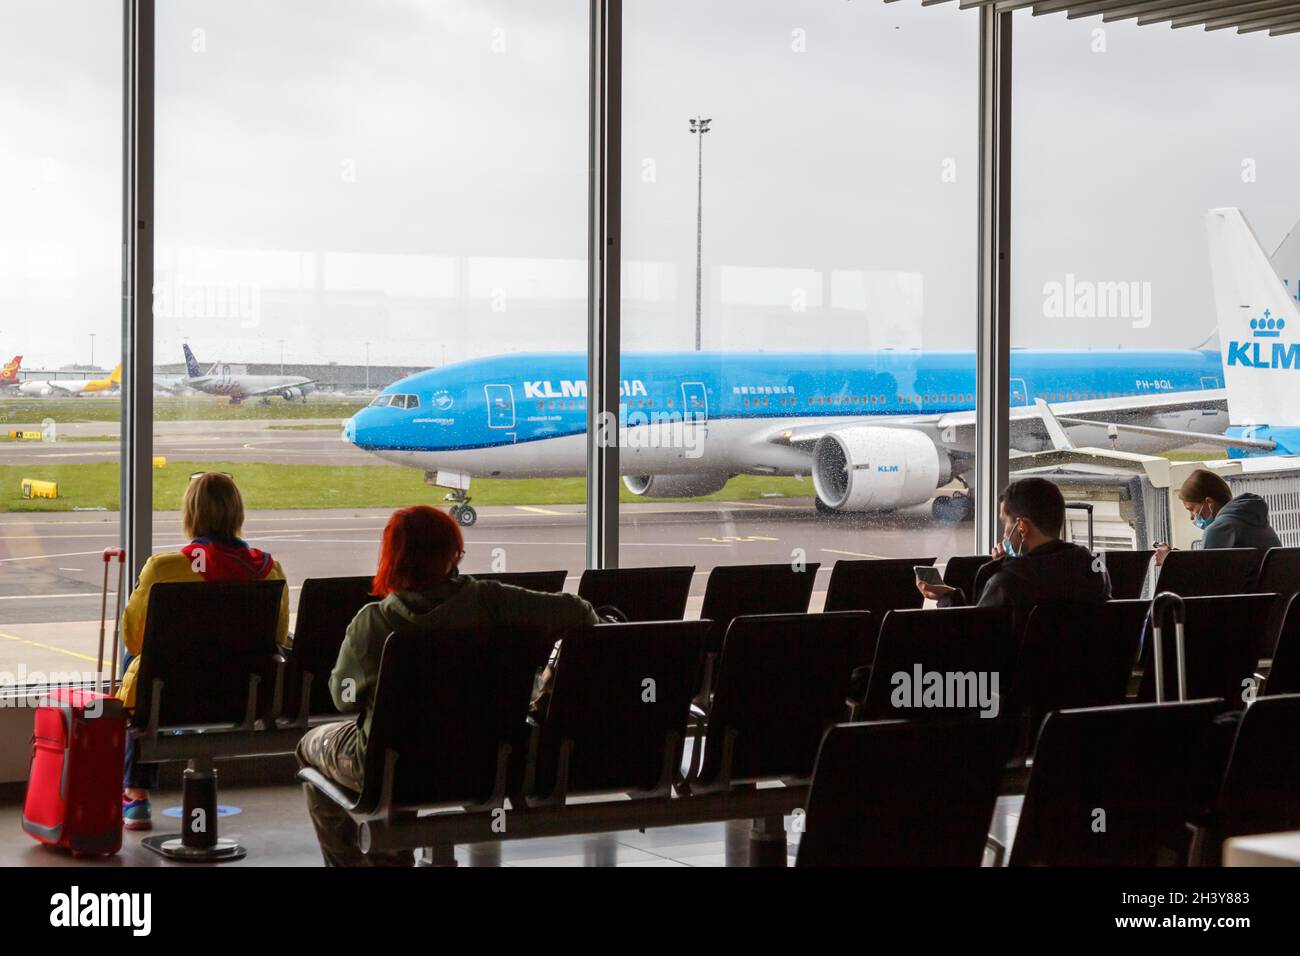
540 511
50 647
852 554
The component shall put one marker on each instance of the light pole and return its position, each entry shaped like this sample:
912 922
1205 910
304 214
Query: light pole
282 357
699 126
367 366
92 349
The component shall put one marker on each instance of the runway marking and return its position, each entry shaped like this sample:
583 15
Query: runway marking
852 554
738 539
540 511
40 557
51 647
762 504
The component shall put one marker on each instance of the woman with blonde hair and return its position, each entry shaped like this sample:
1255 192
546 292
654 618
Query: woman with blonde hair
212 516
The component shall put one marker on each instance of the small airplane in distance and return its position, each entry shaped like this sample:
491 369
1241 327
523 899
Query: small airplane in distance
220 380
60 386
9 374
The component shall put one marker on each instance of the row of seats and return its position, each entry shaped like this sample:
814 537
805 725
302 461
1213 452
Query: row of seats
1136 785
459 705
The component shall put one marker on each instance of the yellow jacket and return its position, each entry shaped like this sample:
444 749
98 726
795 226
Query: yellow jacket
164 569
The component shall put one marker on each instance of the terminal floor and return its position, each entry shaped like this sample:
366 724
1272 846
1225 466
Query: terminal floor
272 824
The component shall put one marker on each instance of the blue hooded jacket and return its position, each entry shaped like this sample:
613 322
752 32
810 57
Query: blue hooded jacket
1242 523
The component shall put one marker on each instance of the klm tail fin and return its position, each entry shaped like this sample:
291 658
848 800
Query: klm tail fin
191 366
1259 326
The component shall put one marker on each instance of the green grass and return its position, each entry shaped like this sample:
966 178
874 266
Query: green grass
326 486
16 412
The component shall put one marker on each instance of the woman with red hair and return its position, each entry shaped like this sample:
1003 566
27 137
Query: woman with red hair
419 588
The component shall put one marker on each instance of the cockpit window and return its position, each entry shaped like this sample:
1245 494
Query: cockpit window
381 401
412 401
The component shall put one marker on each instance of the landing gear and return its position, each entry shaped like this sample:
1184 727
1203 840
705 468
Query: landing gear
461 509
954 508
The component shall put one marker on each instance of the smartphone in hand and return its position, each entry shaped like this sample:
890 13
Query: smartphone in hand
928 574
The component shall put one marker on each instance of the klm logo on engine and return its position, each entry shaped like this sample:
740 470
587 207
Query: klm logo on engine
887 469
1257 354
569 388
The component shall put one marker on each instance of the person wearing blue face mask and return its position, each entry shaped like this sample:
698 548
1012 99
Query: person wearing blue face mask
1032 565
1228 522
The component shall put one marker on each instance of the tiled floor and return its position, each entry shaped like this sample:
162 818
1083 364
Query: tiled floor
272 823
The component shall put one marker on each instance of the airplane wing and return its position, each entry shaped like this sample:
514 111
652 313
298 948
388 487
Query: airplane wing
276 390
955 430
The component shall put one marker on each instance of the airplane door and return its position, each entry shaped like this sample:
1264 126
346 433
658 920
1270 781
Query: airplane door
500 406
1019 394
1209 381
695 402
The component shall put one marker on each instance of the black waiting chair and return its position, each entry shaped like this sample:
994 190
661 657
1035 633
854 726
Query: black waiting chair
1221 635
449 723
641 594
1261 785
1279 573
1115 786
733 590
1127 571
878 585
326 606
960 571
616 720
782 680
970 651
209 662
1078 655
548 582
1284 670
904 793
1203 573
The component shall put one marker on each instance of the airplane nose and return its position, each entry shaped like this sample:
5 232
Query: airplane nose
350 431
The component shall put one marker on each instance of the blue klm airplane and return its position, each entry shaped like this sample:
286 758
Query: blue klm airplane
876 430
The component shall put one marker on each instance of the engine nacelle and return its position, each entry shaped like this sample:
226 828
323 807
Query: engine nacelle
292 394
674 486
877 469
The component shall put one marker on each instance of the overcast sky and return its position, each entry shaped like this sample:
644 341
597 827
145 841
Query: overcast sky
412 174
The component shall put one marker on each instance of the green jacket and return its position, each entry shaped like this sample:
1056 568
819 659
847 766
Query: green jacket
460 603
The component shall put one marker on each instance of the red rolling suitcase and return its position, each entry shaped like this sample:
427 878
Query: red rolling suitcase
74 790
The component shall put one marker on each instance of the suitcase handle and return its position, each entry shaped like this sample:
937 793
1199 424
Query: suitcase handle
1168 604
109 555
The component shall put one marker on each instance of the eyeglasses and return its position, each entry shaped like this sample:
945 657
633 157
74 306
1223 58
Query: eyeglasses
200 474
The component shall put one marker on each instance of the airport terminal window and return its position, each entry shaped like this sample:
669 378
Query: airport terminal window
846 289
1112 260
60 331
345 228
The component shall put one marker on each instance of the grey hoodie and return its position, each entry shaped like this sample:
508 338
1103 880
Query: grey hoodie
461 602
1242 523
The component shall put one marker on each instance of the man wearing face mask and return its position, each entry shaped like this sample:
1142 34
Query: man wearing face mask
1228 522
1032 565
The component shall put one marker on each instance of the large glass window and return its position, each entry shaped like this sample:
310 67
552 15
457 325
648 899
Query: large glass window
1125 139
803 183
60 330
379 211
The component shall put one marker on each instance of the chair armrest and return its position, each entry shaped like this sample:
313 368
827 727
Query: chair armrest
345 798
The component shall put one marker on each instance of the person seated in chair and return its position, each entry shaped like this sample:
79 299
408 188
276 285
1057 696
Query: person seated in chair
1228 522
1032 565
212 516
420 589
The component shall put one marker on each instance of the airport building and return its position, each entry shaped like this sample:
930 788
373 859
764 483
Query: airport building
653 433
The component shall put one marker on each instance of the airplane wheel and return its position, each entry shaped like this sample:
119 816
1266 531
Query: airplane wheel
465 516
